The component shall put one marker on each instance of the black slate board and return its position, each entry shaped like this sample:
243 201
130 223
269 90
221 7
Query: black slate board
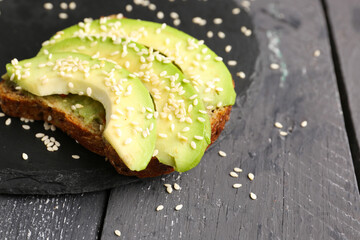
26 24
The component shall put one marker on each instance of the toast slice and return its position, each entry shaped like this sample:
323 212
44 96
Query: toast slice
88 132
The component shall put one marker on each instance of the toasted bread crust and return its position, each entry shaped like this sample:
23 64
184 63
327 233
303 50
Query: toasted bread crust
16 104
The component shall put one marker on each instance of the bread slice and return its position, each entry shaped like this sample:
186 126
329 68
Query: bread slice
88 132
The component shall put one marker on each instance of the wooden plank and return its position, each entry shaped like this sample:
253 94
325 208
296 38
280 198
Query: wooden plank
59 217
305 182
344 19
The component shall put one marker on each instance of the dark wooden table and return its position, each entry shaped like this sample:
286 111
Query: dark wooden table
306 183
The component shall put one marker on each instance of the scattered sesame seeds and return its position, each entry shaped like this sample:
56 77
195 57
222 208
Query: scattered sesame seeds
177 22
2 114
241 75
236 11
209 34
174 15
218 59
117 233
200 21
25 156
39 135
128 8
222 153
193 144
48 6
274 66
238 170
228 48
177 187
75 156
26 127
159 208
179 207
160 15
283 133
232 63
221 34
63 5
234 174
63 15
8 122
251 176
72 6
253 196
152 7
303 124
278 125
237 185
247 32
169 189
218 20
317 53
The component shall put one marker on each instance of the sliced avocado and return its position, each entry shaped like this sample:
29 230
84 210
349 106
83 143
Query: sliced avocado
122 95
183 127
200 65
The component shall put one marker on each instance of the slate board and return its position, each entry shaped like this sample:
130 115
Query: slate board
57 172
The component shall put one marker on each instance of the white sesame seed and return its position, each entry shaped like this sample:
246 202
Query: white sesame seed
186 129
228 48
179 207
88 91
251 176
218 59
25 156
274 66
155 153
117 233
232 63
278 125
2 114
199 137
75 156
317 53
63 5
128 141
241 75
174 15
52 128
39 135
26 127
167 185
238 170
160 15
222 153
209 34
221 34
237 185
248 32
159 208
70 85
162 135
128 8
48 6
235 11
72 6
218 21
63 15
234 174
193 144
8 122
177 22
152 7
303 124
177 187
283 133
169 189
253 196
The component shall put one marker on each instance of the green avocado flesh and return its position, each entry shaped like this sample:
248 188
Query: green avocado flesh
200 65
123 96
183 126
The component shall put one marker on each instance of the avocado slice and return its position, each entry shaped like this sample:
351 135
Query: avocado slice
122 95
183 135
200 65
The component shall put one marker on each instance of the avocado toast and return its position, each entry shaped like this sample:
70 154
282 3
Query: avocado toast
181 115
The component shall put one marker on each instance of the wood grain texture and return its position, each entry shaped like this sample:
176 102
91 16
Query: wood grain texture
305 182
60 217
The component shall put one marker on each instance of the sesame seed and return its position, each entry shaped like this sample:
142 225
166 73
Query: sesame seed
222 153
303 124
278 125
160 15
237 185
200 119
186 129
2 114
39 135
8 122
52 128
75 156
155 153
238 170
159 208
221 35
25 156
241 75
253 196
199 137
177 187
251 176
70 85
228 48
128 141
63 15
274 66
48 6
117 233
218 20
218 59
177 22
128 8
209 34
152 7
167 185
234 174
235 11
174 15
193 144
317 53
169 189
283 133
179 207
72 6
88 91
162 135
26 127
232 63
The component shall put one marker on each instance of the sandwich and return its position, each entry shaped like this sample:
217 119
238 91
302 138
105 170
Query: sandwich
148 97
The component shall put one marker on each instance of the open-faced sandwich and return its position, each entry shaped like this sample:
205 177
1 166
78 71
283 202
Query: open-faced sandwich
145 95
